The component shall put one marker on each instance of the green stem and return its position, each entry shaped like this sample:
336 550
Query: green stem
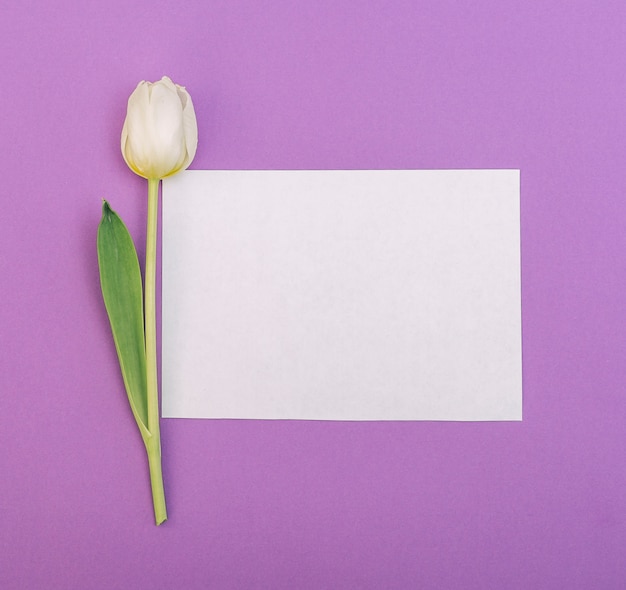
153 447
153 443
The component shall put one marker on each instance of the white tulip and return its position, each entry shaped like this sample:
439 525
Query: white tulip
159 138
160 133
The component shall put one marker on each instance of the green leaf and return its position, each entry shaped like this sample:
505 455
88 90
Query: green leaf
120 279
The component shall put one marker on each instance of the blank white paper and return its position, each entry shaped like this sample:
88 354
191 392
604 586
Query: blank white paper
342 295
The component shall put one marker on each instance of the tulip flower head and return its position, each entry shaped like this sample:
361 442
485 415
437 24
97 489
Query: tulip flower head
160 133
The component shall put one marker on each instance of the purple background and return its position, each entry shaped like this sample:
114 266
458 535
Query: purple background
539 86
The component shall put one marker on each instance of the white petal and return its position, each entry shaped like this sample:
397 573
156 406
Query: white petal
167 129
138 129
190 126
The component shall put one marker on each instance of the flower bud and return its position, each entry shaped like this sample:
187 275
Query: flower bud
160 133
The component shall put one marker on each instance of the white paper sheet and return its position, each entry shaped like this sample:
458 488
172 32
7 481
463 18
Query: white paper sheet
342 295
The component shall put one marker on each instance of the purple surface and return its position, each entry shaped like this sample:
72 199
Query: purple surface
341 84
